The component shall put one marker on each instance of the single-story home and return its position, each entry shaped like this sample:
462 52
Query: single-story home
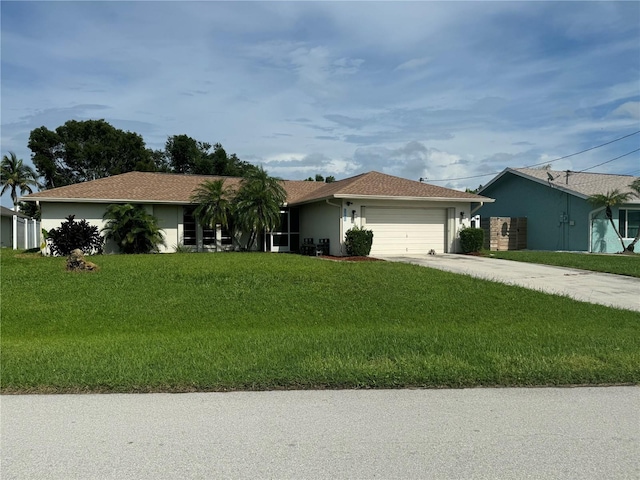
17 230
559 216
405 216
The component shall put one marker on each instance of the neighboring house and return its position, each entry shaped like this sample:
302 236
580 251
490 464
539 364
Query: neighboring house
17 230
559 217
406 216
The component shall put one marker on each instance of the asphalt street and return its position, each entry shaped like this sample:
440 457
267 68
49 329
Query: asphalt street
602 288
511 433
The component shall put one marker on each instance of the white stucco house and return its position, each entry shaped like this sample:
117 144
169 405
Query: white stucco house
405 216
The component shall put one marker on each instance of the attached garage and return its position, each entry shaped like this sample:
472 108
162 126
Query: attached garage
406 230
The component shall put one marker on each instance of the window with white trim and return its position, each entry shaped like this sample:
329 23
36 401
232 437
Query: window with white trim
629 221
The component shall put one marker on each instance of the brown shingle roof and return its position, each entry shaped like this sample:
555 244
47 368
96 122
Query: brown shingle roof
376 184
147 187
584 184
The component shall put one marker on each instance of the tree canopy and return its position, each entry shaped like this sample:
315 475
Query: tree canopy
16 177
79 151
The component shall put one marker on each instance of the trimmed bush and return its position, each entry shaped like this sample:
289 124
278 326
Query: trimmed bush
71 235
358 242
471 239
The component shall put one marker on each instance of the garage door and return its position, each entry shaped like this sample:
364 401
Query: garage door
406 230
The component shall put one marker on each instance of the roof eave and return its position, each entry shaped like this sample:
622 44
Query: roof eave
395 198
103 200
541 181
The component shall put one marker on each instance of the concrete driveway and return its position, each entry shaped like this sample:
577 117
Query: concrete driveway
612 290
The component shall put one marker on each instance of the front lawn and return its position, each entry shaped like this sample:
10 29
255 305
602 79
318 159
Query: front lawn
617 264
187 322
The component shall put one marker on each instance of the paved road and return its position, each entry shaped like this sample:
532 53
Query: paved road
550 433
603 288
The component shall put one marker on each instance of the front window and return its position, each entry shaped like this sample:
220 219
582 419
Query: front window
629 223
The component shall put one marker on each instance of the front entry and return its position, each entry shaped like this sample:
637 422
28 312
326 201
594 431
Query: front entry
286 237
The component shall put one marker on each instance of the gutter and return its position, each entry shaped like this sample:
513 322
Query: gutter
474 210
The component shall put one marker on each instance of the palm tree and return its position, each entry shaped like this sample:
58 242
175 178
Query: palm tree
16 176
132 228
635 186
608 200
214 203
257 204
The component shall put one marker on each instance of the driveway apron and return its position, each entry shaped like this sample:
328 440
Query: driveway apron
616 291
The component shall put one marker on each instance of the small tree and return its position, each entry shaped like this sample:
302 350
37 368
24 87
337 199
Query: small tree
132 228
611 199
635 186
16 176
71 235
358 242
214 203
257 204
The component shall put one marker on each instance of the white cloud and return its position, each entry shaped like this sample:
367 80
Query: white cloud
416 89
628 109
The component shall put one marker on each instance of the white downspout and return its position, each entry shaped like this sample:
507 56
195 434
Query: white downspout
341 227
476 209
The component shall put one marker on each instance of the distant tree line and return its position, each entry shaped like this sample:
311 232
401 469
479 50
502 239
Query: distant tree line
79 151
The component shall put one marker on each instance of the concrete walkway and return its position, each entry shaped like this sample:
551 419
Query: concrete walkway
612 290
483 433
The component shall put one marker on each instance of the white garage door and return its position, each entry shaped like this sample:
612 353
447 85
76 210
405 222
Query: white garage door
406 230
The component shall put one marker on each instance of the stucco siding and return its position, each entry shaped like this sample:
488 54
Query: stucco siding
555 220
169 217
321 220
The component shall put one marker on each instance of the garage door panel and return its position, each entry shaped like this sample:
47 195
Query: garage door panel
411 230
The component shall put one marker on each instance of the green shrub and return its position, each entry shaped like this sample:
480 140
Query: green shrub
358 242
471 239
132 228
71 235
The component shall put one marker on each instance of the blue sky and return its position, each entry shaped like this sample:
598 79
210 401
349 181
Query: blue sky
439 90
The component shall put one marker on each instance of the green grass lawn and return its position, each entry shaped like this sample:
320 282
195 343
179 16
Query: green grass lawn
619 264
187 322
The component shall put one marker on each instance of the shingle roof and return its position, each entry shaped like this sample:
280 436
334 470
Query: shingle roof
147 187
581 184
376 184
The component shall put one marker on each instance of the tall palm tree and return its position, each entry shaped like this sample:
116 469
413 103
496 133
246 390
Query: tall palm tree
257 204
214 203
635 186
611 199
132 228
16 176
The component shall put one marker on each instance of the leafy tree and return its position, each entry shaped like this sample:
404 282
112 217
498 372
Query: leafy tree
30 209
257 204
214 203
330 179
16 176
611 199
71 235
635 186
79 151
132 228
319 178
185 153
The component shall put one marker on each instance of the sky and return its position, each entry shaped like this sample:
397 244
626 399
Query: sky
435 90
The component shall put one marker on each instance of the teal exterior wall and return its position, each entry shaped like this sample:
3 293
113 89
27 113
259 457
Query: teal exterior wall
555 220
